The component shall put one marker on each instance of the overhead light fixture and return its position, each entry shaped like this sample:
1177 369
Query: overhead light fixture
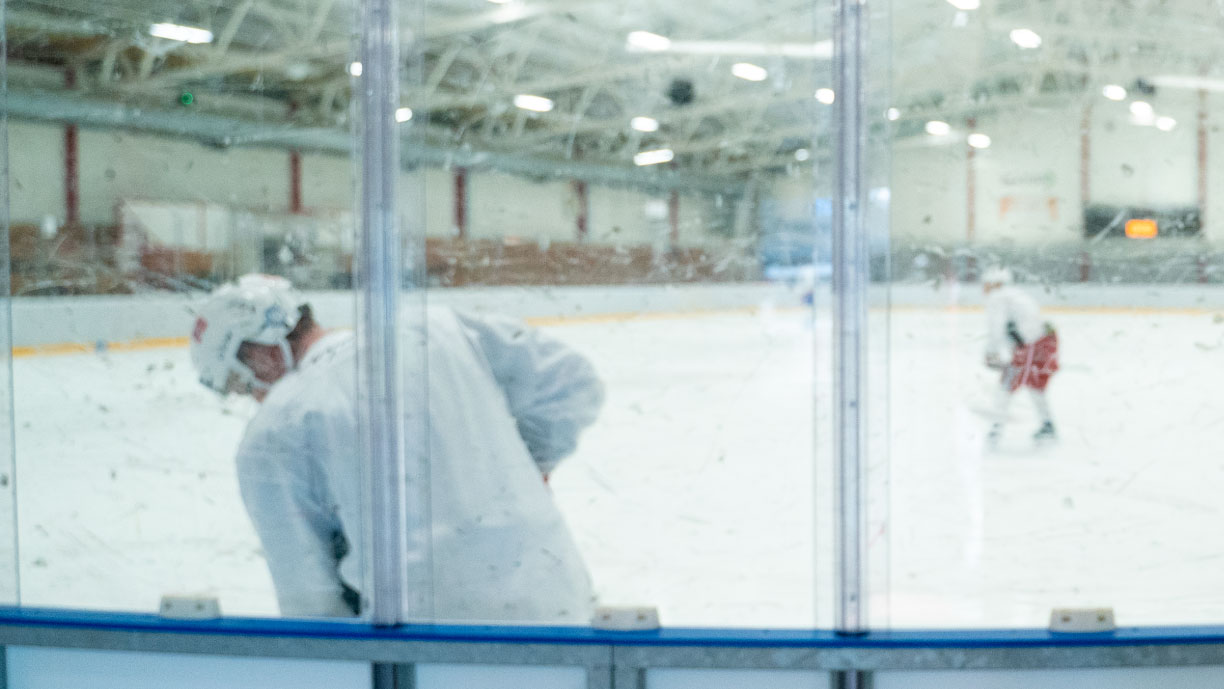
355 69
644 41
893 114
533 103
1141 108
297 71
749 71
1165 124
644 124
1025 38
1113 92
978 140
186 34
1194 83
403 114
938 128
826 96
965 4
662 155
802 154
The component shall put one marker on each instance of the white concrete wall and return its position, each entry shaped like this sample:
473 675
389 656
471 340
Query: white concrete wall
502 205
115 165
929 191
1027 183
434 189
618 216
327 181
36 171
1142 165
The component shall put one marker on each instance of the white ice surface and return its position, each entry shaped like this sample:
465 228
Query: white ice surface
696 490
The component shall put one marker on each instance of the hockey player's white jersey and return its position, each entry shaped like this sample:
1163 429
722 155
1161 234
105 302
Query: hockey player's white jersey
505 403
1005 305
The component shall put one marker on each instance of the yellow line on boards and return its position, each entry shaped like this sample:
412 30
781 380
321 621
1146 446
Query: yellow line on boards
147 343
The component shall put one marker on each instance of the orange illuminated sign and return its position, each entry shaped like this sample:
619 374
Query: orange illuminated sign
1141 228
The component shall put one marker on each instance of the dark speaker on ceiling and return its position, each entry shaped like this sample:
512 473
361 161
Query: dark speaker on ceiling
680 91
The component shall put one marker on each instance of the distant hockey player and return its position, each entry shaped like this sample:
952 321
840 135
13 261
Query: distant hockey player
1020 344
505 404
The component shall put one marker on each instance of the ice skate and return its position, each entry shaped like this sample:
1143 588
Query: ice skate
992 436
1045 433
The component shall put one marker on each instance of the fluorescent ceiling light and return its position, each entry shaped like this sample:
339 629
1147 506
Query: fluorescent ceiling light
355 69
661 155
1179 81
826 96
802 154
644 124
1142 113
1113 92
1165 124
646 42
534 103
749 71
965 4
1025 38
186 34
403 114
937 128
979 140
893 114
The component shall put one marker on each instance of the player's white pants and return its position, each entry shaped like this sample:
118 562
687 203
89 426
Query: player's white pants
1003 398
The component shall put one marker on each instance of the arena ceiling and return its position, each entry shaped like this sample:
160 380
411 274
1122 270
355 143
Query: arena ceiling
282 68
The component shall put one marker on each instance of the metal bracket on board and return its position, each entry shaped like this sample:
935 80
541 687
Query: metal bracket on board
629 619
189 607
1082 620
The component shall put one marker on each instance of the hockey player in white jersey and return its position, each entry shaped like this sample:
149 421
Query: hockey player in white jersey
505 404
1020 344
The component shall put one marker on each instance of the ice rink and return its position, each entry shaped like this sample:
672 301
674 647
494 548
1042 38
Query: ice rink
697 490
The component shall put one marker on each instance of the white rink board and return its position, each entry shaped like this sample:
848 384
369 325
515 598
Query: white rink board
451 676
1110 678
54 668
736 679
92 319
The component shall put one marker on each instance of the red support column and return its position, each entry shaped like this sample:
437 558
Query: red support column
584 209
295 172
72 177
461 203
673 219
295 182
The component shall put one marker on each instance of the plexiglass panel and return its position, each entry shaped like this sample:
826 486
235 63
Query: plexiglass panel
156 152
1053 318
634 185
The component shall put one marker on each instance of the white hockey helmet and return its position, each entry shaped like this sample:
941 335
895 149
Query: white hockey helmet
997 276
262 309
